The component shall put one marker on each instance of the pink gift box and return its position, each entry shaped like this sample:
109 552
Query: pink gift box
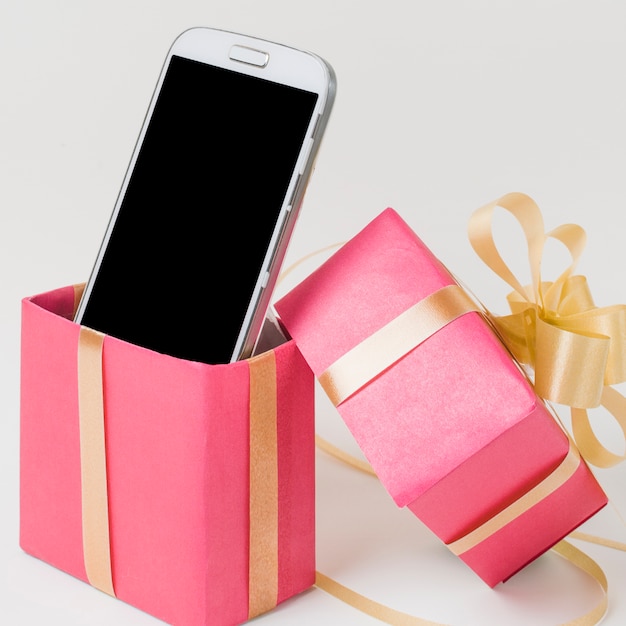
452 427
178 471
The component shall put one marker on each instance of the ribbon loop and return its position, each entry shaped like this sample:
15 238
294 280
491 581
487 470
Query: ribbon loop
481 238
575 296
590 446
557 374
574 349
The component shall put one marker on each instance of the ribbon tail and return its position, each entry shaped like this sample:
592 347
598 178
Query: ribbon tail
590 567
368 606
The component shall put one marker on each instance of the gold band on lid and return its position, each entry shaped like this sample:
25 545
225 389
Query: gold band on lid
382 349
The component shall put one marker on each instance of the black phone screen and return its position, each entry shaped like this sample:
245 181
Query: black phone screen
194 223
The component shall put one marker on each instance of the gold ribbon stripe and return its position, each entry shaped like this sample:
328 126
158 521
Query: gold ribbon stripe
95 505
263 566
546 487
389 344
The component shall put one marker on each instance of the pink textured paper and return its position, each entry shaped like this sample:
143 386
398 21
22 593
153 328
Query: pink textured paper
177 460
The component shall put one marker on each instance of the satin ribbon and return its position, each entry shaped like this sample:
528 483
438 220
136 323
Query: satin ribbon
378 352
263 560
575 349
94 489
94 494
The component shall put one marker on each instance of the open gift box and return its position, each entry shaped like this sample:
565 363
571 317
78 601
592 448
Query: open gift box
193 497
444 415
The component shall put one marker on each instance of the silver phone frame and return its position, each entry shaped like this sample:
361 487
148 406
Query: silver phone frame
288 66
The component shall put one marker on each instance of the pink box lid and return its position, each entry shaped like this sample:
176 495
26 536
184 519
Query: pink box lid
441 403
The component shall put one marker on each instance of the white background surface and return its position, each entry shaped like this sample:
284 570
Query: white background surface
441 107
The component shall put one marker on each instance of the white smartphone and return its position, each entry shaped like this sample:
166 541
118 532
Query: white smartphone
210 198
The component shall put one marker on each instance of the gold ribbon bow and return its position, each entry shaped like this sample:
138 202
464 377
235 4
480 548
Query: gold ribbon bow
575 349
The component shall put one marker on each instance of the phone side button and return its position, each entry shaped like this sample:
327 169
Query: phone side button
265 280
293 193
317 123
